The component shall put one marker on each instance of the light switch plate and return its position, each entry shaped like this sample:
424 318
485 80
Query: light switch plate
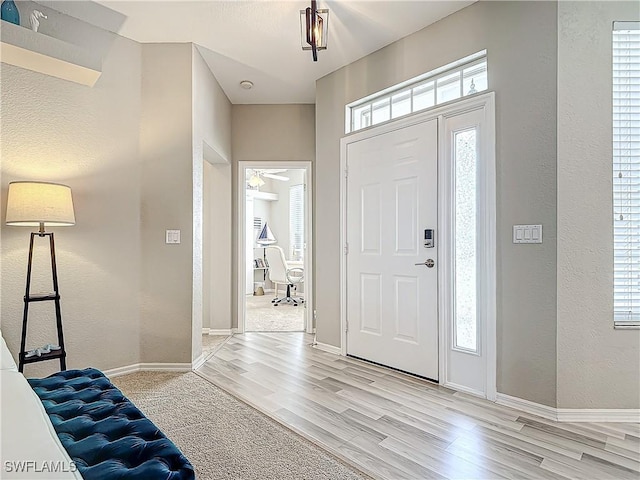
527 234
172 236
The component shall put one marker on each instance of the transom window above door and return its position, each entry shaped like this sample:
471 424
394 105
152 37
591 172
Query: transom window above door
455 80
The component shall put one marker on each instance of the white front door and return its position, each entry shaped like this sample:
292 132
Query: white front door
392 198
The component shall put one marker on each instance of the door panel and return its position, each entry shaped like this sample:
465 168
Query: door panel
407 292
370 304
371 221
406 216
392 303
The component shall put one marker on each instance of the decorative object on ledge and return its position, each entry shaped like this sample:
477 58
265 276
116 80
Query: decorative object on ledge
314 25
9 12
266 236
34 19
41 204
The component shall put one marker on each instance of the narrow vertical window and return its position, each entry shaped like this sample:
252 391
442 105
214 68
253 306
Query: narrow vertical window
626 173
465 256
296 222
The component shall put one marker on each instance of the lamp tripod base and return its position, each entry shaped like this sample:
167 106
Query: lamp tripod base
29 298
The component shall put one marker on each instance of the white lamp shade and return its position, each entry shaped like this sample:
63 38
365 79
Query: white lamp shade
33 203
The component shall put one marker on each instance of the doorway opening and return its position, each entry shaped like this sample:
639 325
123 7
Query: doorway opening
274 260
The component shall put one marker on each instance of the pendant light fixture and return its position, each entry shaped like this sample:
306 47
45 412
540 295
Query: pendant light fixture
314 26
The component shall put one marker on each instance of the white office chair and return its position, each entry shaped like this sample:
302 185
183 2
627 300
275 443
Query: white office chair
280 272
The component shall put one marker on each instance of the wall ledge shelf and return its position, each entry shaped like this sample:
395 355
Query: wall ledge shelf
24 48
271 197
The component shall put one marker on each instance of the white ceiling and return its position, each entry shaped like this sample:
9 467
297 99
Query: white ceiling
260 40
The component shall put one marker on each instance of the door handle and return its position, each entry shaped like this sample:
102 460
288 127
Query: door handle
429 263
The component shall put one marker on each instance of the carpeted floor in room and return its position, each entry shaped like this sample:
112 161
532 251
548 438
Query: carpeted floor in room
263 316
223 437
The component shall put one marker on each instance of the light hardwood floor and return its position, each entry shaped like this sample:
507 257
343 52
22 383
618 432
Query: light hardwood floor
391 425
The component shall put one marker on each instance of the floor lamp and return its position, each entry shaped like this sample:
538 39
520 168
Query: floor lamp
41 204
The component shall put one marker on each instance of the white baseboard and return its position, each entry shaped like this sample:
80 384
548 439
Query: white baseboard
219 331
197 363
573 415
328 348
117 372
527 406
146 367
627 415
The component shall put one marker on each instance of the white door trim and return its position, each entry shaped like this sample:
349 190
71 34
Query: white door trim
484 101
240 244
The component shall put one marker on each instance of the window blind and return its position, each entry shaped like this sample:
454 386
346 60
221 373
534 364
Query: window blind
296 222
626 173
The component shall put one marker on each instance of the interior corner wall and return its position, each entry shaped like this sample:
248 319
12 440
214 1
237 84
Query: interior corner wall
598 366
212 203
166 203
521 41
217 246
55 130
275 133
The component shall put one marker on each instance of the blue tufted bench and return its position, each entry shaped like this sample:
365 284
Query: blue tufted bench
104 433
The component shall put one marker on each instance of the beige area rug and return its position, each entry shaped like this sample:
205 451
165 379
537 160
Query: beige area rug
223 437
263 316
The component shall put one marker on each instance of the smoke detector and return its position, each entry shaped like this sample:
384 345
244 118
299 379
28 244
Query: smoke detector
246 84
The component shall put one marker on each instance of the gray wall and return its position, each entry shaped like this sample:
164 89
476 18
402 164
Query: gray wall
212 202
521 39
267 133
217 246
273 132
132 149
87 138
598 367
167 203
